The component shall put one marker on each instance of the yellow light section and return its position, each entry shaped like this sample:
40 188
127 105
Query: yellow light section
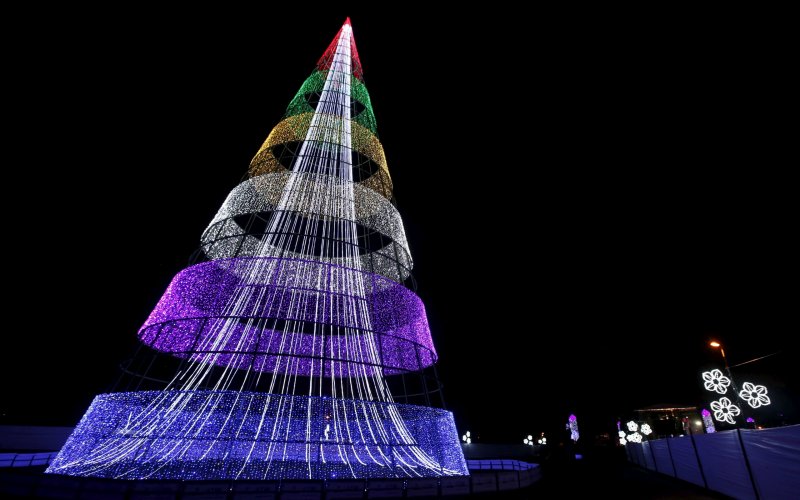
295 128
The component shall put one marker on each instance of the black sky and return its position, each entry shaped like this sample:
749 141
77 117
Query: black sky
588 198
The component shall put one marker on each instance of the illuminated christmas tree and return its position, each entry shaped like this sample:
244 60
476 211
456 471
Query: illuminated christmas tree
295 346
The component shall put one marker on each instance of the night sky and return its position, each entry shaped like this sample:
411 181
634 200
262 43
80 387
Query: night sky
588 200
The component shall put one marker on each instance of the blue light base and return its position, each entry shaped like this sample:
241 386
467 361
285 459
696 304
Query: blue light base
244 435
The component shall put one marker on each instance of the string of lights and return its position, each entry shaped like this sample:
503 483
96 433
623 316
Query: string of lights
301 299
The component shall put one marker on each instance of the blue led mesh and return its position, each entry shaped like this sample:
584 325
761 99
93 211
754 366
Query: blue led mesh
251 436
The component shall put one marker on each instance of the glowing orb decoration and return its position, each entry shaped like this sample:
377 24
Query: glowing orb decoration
632 426
645 429
724 410
467 438
715 381
621 434
622 441
754 395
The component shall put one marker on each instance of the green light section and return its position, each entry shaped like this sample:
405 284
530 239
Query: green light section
315 83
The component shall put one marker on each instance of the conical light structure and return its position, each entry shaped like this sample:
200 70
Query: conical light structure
290 333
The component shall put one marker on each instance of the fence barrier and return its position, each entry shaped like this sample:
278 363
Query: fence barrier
742 463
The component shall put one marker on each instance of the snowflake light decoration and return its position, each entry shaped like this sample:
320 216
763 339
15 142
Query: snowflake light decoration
635 437
528 440
621 434
754 395
646 430
724 410
467 438
632 426
622 441
715 381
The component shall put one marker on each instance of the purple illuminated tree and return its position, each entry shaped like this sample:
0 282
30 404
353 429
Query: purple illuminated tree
295 346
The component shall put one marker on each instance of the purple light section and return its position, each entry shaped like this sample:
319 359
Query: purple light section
307 298
247 435
572 418
750 420
705 413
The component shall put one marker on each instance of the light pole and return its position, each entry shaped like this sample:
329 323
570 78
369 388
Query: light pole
717 345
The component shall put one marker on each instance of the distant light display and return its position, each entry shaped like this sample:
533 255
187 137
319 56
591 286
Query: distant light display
572 425
621 434
754 395
645 429
715 381
632 426
708 422
724 410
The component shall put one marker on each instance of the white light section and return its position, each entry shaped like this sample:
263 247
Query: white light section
622 441
754 395
632 426
621 434
645 429
224 237
635 437
715 381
